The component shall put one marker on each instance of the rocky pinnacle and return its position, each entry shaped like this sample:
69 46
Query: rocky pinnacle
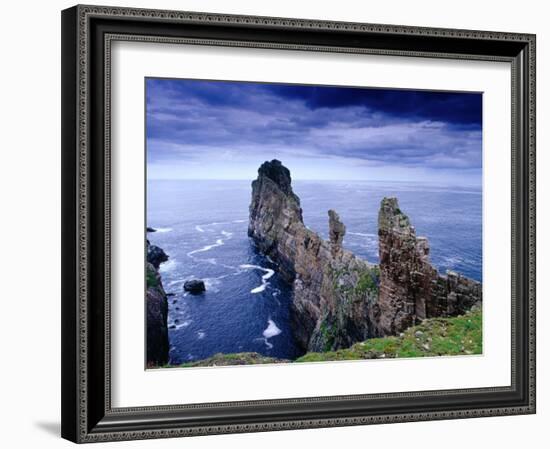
411 289
338 298
336 228
328 311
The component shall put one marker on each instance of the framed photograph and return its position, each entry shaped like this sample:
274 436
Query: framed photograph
277 223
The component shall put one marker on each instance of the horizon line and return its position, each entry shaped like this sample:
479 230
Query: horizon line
320 180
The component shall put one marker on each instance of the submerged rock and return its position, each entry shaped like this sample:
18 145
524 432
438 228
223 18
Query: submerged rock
149 229
194 286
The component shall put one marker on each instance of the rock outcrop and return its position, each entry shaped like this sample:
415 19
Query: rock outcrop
155 255
411 289
157 309
332 289
338 298
194 286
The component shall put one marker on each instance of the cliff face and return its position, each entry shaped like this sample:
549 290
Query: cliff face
411 289
157 309
340 299
332 288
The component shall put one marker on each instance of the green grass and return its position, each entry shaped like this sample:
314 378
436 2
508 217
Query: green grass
460 335
366 283
240 358
151 277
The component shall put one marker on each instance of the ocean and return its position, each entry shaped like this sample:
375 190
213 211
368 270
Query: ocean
202 226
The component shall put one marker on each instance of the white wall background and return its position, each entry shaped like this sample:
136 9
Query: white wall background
30 227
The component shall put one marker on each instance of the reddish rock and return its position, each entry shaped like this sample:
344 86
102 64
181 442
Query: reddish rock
411 289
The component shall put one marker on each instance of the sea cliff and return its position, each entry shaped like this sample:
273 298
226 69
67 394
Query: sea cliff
157 309
411 289
338 298
332 288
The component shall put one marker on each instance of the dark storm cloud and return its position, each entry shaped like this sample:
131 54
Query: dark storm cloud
194 119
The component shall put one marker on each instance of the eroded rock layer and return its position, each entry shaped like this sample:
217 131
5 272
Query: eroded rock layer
411 289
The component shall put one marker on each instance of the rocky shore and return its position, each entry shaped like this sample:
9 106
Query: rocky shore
340 299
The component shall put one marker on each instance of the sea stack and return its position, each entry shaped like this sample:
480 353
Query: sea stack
411 289
338 298
332 289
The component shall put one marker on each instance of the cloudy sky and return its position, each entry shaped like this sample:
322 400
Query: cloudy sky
225 130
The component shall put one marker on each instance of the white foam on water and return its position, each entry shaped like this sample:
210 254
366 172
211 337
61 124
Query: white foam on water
161 230
180 281
259 289
175 327
227 234
219 242
201 335
167 266
213 283
240 221
268 273
199 229
271 329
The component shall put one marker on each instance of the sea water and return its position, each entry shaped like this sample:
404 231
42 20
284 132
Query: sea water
202 226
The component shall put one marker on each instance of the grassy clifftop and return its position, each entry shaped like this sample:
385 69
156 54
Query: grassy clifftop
239 358
461 335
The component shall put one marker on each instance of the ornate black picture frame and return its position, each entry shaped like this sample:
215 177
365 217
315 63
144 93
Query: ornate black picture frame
87 34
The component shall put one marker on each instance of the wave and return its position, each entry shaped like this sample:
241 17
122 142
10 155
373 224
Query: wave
268 273
239 221
219 242
198 228
227 234
201 335
271 329
213 283
177 326
161 230
259 289
168 266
